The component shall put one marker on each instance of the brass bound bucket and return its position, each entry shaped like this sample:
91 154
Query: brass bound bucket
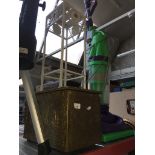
71 118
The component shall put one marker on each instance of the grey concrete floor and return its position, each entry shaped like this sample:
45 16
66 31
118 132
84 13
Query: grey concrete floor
26 148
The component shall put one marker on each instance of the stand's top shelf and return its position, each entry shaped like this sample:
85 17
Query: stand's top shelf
72 16
65 16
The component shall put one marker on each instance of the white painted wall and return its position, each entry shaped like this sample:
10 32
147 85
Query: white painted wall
118 106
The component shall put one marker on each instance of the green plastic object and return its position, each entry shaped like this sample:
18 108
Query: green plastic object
97 76
109 137
98 67
99 44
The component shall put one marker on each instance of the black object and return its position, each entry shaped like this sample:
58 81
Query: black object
27 39
111 122
98 58
43 6
44 148
90 6
132 152
71 117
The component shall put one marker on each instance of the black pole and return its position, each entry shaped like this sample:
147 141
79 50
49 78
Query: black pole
27 48
90 6
27 39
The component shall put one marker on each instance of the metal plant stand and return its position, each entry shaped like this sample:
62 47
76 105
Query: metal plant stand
67 23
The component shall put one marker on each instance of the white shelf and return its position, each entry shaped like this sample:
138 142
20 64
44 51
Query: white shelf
122 74
127 14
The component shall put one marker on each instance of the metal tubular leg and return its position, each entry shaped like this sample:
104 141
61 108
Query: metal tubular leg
65 80
84 61
62 48
43 60
33 107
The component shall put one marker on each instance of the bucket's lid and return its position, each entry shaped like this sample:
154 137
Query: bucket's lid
68 89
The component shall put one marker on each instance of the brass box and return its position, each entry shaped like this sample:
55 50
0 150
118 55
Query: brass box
71 118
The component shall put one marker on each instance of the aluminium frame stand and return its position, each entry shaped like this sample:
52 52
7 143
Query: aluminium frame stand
65 18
